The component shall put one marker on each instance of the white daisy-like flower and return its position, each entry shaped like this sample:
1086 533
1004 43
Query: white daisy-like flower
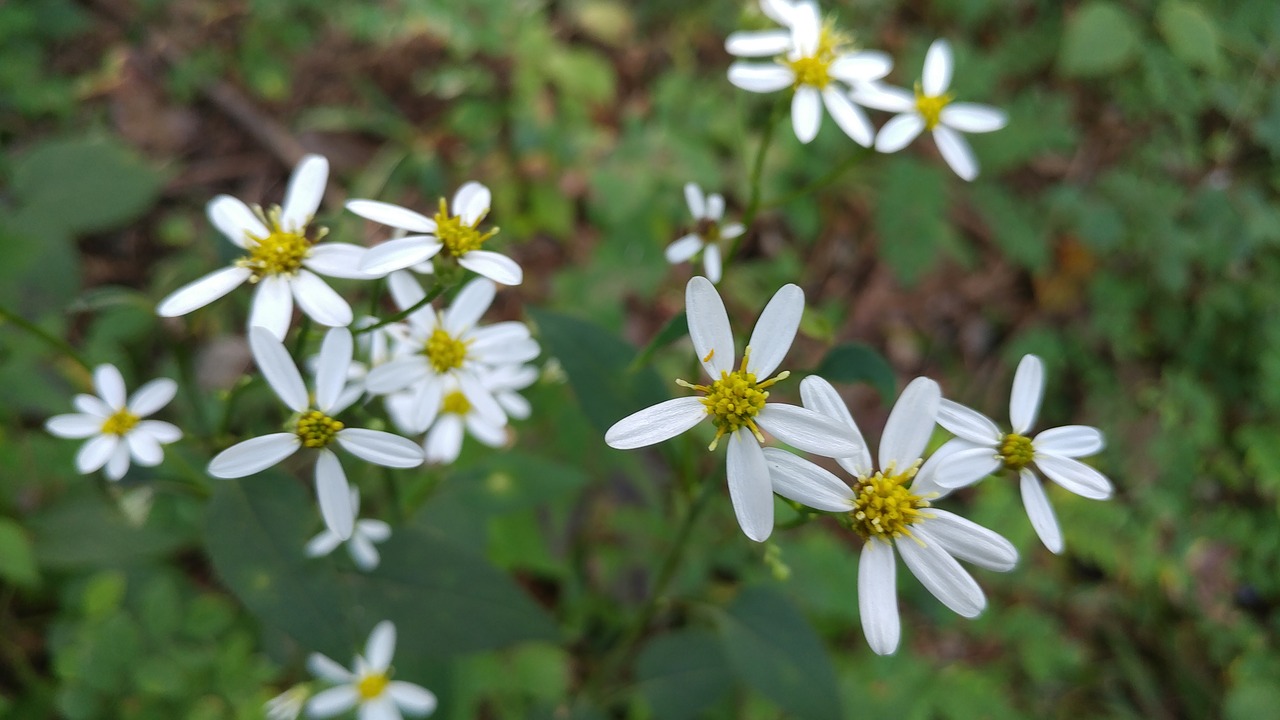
505 382
450 344
813 61
361 545
443 442
455 233
931 108
314 425
368 684
115 424
889 510
735 401
288 704
980 448
708 231
280 258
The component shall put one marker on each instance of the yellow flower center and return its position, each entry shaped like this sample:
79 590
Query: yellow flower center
456 403
735 399
883 507
815 69
444 351
1017 452
316 429
708 230
281 252
120 422
930 106
458 237
372 686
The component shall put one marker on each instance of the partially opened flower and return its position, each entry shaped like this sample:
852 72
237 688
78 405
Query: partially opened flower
890 508
708 231
281 258
736 401
315 425
980 449
365 536
368 684
453 233
115 425
931 108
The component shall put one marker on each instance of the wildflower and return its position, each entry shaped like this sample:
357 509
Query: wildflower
708 231
288 704
368 684
361 545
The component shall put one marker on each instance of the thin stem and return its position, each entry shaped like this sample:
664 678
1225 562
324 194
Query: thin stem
304 329
436 292
757 174
186 371
49 339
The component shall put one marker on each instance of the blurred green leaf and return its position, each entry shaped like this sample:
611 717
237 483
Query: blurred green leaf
682 673
856 362
1100 38
17 561
85 185
86 532
1191 34
911 218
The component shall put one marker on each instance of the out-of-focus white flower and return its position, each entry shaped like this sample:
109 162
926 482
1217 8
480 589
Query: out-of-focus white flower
368 685
708 231
443 442
280 258
115 425
365 535
931 108
505 382
288 704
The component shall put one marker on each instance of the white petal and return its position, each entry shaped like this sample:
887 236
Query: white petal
272 307
393 215
95 453
489 433
396 375
729 231
808 430
818 395
334 494
144 448
278 368
495 266
406 291
749 486
110 385
655 424
444 440
74 426
93 405
712 264
471 303
970 541
471 202
966 467
411 698
235 220
715 207
760 77
322 544
1074 476
334 701
336 259
380 448
779 11
332 367
162 431
938 64
968 424
306 190
481 399
696 201
399 254
376 530
318 300
806 28
326 669
709 326
861 67
925 483
941 574
848 116
898 132
878 597
363 553
910 424
380 708
956 151
798 479
683 249
884 97
152 396
1028 391
1040 512
253 455
806 113
381 647
764 43
427 399
118 463
973 118
1070 441
514 405
201 292
775 330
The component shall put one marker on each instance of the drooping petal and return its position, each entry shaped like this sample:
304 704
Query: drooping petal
320 301
655 424
1028 391
696 201
715 207
968 424
253 455
775 330
412 699
956 151
109 384
392 215
162 431
381 647
861 67
818 395
278 368
749 486
322 544
729 231
333 701
798 479
336 259
380 448
883 97
941 574
118 463
808 430
760 77
325 669
806 113
973 118
379 708
712 264
683 249
427 399
709 326
898 132
910 424
482 429
144 448
471 303
938 64
966 467
272 307
514 405
73 426
396 375
1070 441
376 530
152 396
306 190
363 553
495 266
1040 512
332 367
878 597
407 293
235 220
444 441
970 541
471 202
763 43
201 292
1074 476
334 494
95 453
848 116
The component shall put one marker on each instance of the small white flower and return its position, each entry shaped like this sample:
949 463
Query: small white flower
454 233
288 704
314 426
887 513
707 211
443 442
980 449
735 401
279 258
813 62
931 108
368 684
365 535
505 382
115 426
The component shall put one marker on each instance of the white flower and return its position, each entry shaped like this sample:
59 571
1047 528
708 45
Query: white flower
707 233
980 449
455 233
288 704
368 684
504 382
813 62
115 426
314 426
735 401
887 513
279 258
443 442
364 536
931 108
765 43
450 344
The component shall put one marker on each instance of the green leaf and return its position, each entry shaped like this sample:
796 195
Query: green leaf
85 185
1018 232
17 561
911 218
682 673
772 648
86 532
855 362
1100 38
1190 33
674 329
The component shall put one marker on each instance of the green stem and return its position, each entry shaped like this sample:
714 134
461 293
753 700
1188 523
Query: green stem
436 292
828 178
186 371
304 329
40 333
757 174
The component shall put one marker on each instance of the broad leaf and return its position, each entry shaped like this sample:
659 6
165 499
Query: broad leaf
855 362
682 674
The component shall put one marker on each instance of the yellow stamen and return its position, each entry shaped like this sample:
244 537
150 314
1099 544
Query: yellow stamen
883 507
930 107
815 70
1016 451
444 351
120 422
458 237
316 430
281 252
372 686
735 399
456 403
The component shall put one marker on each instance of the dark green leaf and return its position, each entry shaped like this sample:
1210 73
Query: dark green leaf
1190 33
17 561
86 532
911 218
1100 39
682 674
855 362
85 185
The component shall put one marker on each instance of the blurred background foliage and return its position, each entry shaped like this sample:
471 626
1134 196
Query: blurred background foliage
1125 227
